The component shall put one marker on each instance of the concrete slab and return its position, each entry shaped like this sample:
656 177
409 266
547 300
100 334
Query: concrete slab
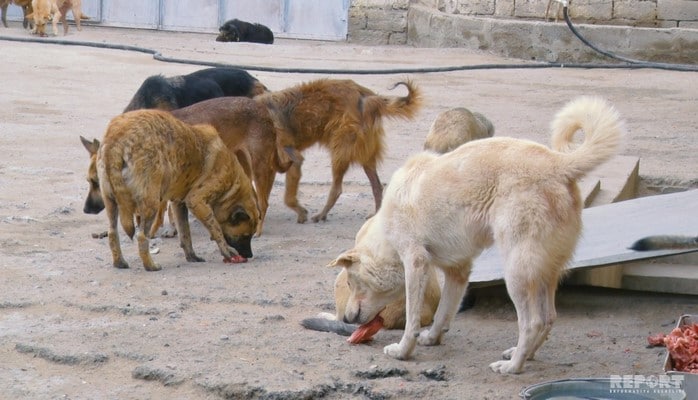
610 229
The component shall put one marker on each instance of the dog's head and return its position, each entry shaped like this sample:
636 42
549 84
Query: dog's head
156 92
228 32
374 280
93 203
239 227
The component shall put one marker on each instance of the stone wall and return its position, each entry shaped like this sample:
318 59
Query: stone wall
378 21
385 21
644 13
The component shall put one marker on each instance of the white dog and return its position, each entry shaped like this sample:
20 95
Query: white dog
443 210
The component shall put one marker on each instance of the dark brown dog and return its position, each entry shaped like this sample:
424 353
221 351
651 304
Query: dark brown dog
247 130
345 118
149 157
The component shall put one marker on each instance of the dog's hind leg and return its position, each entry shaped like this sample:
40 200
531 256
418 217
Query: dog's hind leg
113 233
147 219
376 186
528 286
455 284
339 168
293 177
181 220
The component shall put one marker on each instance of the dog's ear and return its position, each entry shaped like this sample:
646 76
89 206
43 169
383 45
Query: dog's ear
238 216
345 259
92 147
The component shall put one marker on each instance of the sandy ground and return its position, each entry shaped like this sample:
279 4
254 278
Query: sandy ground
73 327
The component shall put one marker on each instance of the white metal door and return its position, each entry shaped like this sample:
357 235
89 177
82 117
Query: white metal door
304 19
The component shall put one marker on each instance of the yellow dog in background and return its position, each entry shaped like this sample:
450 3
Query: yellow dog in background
54 11
442 211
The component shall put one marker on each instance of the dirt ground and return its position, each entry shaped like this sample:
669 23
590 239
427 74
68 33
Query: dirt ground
73 327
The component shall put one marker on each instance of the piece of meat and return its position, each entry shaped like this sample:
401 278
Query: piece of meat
235 259
682 345
365 332
656 340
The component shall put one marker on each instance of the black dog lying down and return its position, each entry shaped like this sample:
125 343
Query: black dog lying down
241 31
180 91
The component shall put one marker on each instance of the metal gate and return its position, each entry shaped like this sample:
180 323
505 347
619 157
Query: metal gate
302 19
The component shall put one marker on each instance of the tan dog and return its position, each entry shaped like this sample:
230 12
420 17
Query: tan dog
247 130
345 118
147 158
442 211
55 11
456 126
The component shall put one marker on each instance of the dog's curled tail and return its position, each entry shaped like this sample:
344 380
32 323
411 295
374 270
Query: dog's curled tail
665 242
395 106
602 129
328 325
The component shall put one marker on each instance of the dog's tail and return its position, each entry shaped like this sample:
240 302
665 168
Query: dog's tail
602 129
114 165
665 242
328 325
394 106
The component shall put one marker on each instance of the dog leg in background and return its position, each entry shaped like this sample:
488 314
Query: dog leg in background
376 187
416 266
181 220
293 177
56 17
338 171
3 8
455 285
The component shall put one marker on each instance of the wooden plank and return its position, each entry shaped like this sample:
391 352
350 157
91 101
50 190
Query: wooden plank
610 229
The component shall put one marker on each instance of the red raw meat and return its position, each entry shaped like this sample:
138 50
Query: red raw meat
235 259
365 332
682 345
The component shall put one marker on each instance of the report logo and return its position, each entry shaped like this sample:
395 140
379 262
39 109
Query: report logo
646 384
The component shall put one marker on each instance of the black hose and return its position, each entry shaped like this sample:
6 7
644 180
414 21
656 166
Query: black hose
648 64
629 63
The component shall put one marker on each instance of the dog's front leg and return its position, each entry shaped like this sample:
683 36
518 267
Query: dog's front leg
181 219
415 284
455 284
204 213
54 21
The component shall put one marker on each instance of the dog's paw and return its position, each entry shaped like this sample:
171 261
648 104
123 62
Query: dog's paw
425 340
152 267
505 367
394 351
319 217
327 316
194 258
508 353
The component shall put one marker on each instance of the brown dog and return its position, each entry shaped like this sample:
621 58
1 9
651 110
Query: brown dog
247 130
26 6
345 118
55 11
147 158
